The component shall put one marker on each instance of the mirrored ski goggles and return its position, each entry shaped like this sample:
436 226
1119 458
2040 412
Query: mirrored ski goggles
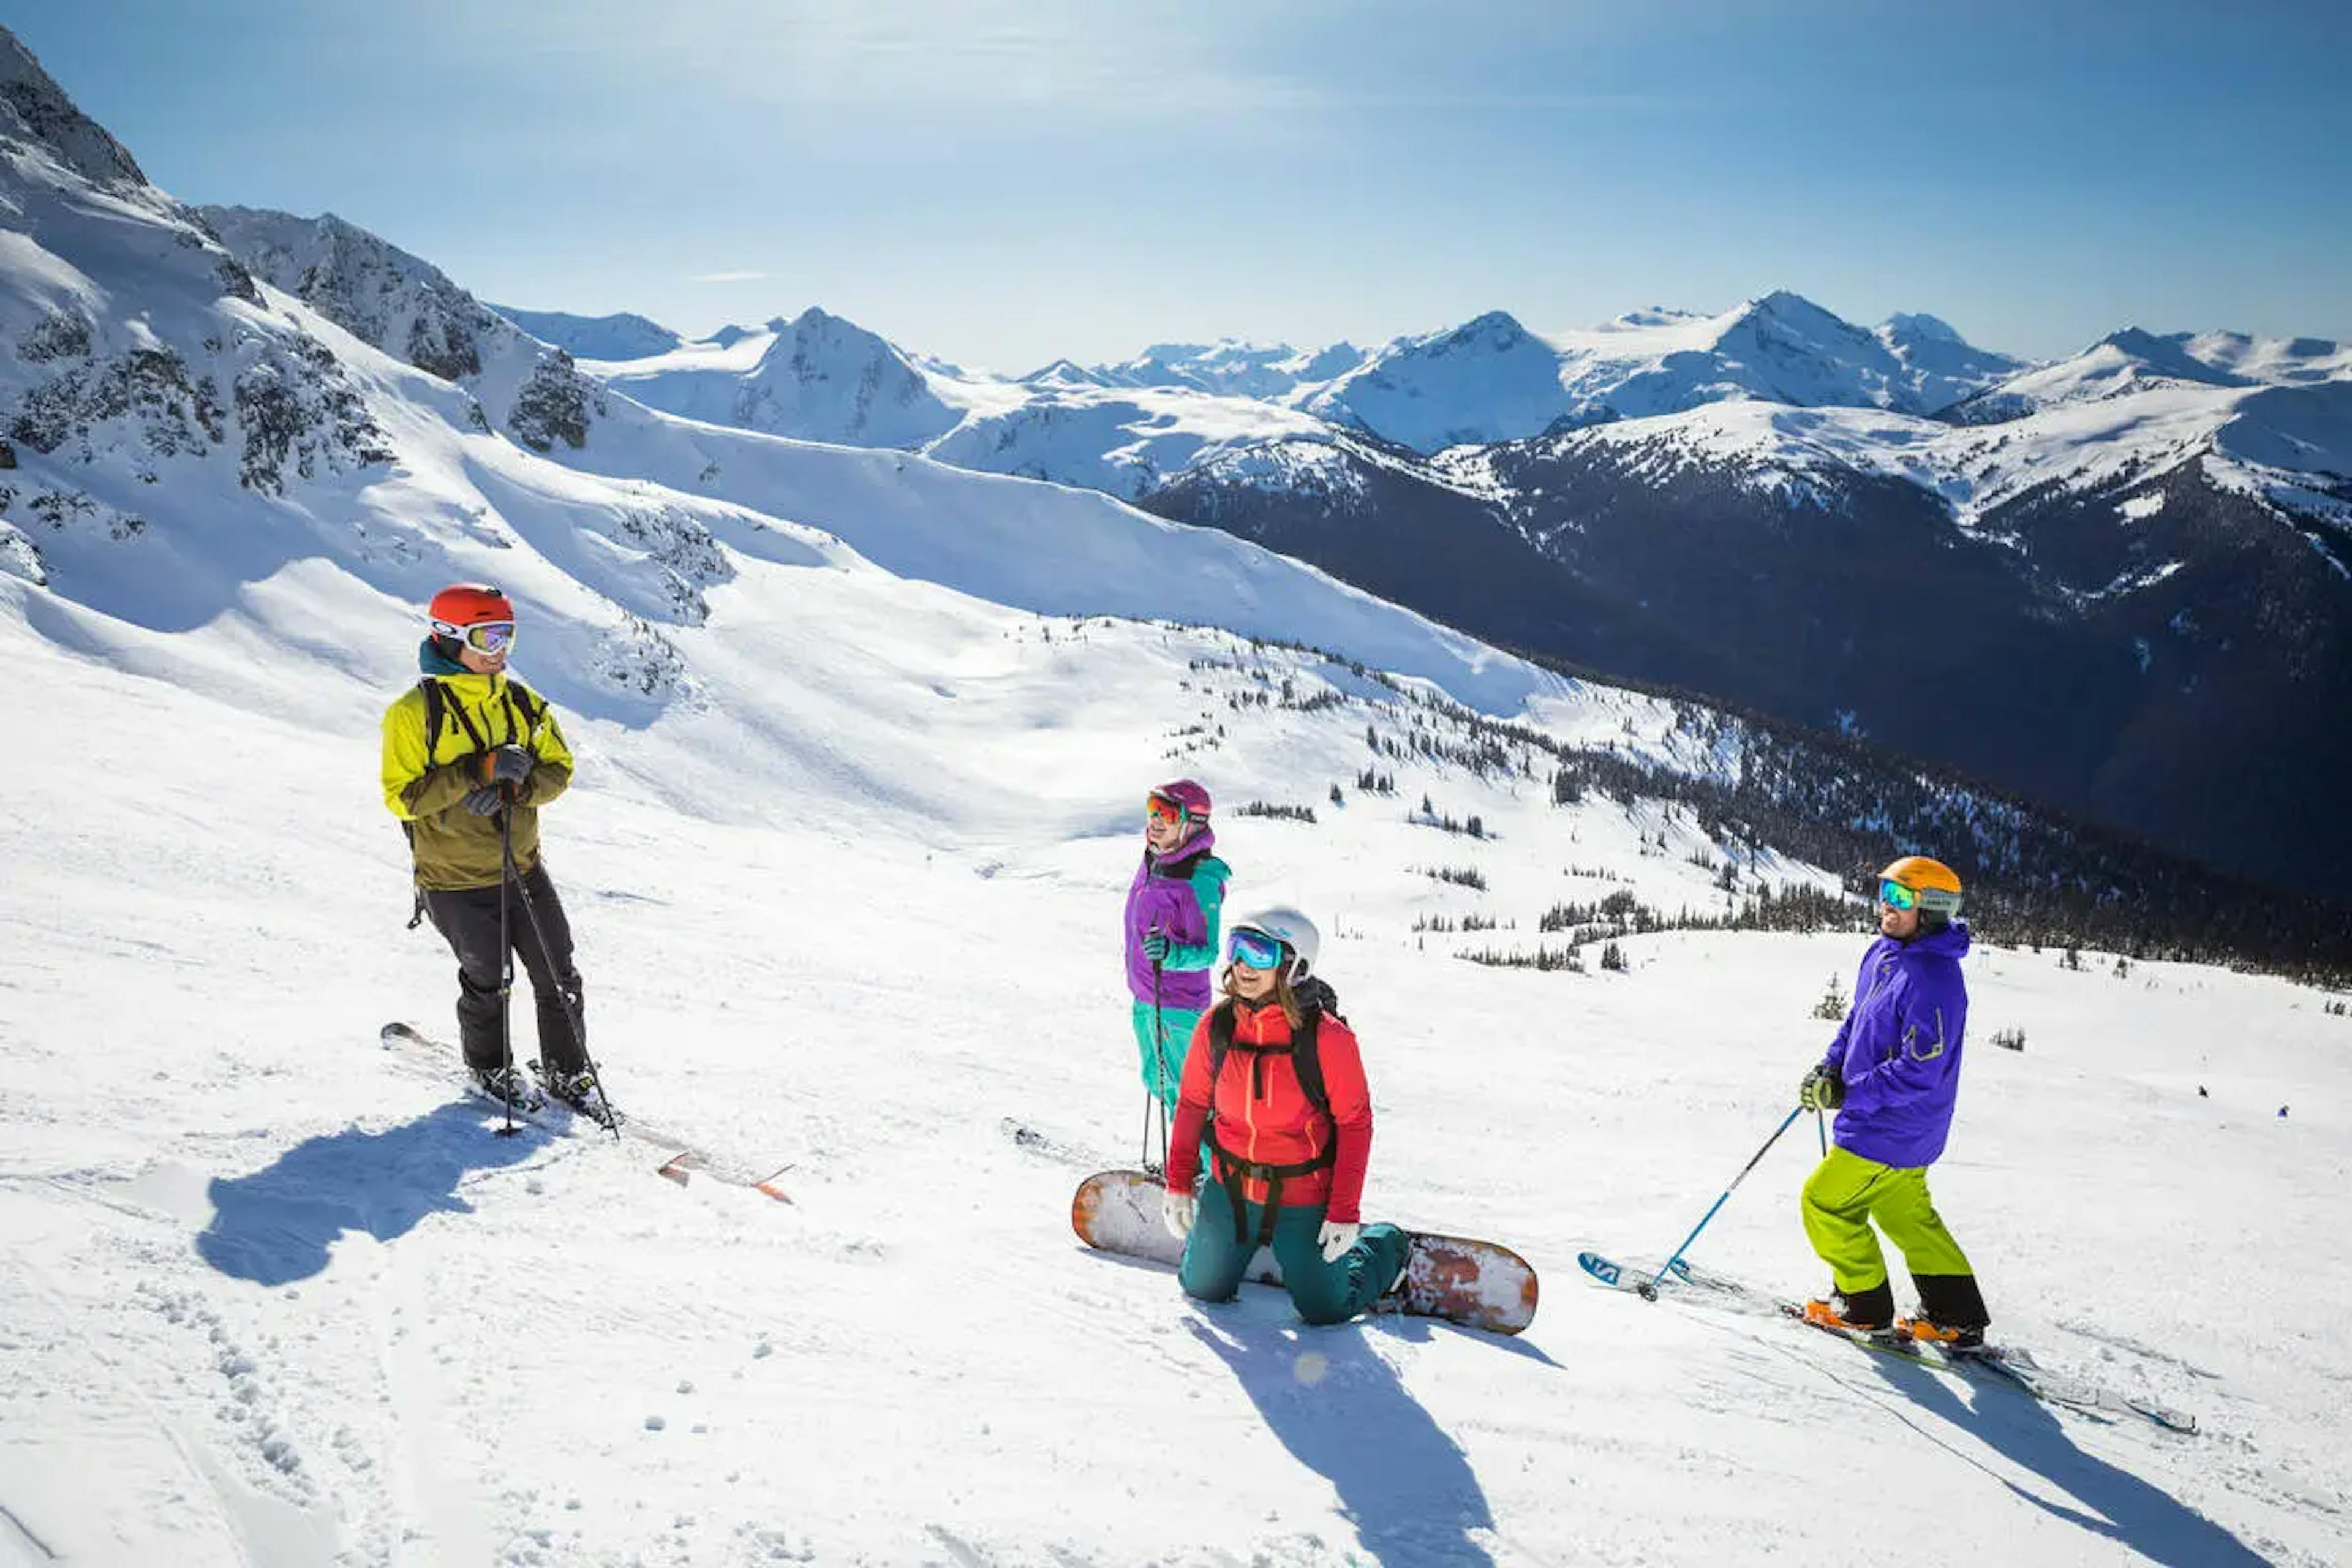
1161 809
1253 949
1895 896
482 637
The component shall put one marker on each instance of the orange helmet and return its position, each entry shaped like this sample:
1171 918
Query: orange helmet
1934 885
463 604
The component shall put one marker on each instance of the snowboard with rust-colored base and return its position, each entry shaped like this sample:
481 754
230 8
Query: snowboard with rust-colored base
1475 1283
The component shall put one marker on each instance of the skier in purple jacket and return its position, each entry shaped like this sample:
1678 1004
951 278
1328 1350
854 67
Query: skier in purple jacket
1892 1075
1172 911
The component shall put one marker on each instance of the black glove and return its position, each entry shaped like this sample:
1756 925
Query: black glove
485 801
1822 1090
508 765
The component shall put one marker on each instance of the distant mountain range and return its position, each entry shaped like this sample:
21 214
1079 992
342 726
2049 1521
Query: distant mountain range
2121 581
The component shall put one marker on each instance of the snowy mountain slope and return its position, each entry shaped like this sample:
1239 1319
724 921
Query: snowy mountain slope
815 377
2277 360
677 490
1943 367
620 336
1124 443
404 306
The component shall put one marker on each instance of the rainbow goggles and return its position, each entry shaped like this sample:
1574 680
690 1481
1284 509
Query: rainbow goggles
1895 896
482 637
1162 809
1253 949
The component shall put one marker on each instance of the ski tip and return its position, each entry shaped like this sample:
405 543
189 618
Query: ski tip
1601 1269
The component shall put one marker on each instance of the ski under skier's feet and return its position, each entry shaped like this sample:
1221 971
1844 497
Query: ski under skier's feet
1928 1331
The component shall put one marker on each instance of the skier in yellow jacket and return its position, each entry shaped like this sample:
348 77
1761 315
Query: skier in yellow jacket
464 745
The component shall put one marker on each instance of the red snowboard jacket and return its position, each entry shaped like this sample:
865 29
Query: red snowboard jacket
1263 1116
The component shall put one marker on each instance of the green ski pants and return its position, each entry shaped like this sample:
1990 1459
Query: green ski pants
1847 1192
1323 1292
1164 1071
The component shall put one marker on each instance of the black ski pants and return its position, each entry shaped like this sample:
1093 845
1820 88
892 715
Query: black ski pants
468 919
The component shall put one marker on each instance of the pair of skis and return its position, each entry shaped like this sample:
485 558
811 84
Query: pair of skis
682 1160
2010 1365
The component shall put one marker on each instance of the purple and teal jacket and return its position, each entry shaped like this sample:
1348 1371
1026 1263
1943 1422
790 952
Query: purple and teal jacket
1181 894
1899 1049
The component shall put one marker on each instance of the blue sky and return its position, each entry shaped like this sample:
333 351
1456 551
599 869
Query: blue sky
1002 184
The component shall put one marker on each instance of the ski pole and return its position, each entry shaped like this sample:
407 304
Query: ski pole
1821 1126
570 1012
1649 1291
506 974
1158 1095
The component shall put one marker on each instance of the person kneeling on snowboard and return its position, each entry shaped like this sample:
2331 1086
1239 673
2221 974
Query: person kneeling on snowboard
1276 1083
1892 1075
470 754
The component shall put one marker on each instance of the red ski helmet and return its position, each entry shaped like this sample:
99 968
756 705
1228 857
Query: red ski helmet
463 604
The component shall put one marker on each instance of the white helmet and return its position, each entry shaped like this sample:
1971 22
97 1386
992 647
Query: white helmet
1290 928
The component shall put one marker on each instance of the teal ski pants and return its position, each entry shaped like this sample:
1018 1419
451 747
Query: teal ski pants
1323 1292
1164 1071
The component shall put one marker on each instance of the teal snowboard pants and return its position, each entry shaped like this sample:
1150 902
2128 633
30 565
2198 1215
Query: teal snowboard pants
1323 1292
1164 1071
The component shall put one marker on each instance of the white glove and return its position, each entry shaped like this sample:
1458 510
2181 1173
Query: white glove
1336 1236
1176 1212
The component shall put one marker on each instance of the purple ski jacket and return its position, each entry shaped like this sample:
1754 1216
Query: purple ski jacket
1899 1049
1185 907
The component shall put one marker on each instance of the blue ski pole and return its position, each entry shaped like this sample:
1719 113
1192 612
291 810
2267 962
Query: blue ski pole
1649 1289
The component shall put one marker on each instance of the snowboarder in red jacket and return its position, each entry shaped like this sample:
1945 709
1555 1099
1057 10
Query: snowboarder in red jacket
1275 1082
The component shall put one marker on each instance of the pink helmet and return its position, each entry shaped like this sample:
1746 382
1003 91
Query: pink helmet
1187 794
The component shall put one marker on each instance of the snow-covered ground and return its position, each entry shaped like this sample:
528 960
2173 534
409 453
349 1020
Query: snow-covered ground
274 1296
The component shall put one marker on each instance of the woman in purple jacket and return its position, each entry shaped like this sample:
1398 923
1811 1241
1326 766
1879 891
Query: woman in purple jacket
1172 909
1892 1076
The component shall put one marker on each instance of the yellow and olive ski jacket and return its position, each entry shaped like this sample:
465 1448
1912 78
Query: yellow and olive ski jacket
424 781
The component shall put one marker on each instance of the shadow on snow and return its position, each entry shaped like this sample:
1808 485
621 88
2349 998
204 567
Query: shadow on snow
1339 1408
276 1225
2107 1501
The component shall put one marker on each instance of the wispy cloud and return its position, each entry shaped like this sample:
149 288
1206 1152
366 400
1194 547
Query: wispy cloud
727 277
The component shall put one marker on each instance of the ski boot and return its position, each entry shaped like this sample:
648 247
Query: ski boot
506 1085
1867 1312
1926 1331
579 1090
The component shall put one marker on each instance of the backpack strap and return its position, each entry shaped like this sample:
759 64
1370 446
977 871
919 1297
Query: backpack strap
532 711
437 705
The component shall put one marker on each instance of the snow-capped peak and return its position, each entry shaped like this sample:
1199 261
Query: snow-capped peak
816 376
1917 326
34 106
619 336
1779 347
2164 357
1229 367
